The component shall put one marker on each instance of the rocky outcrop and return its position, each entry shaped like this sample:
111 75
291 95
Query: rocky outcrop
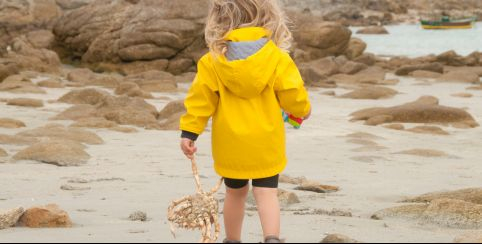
460 76
355 49
317 39
442 212
11 123
424 110
26 56
128 111
90 96
407 69
473 195
22 16
26 102
374 92
153 81
426 129
17 140
109 31
56 152
20 84
56 131
455 209
373 30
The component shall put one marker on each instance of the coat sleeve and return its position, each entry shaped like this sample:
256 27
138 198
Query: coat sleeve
201 101
290 90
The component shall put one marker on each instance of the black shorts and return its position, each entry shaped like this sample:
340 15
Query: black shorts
270 182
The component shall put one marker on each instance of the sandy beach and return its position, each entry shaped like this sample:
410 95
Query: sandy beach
146 170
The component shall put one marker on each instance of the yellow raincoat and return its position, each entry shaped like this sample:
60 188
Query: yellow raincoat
245 98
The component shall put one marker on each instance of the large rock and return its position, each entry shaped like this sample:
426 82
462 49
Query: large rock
72 4
90 96
123 110
368 59
423 74
8 68
371 75
50 216
473 195
442 212
126 31
41 39
56 131
94 122
26 102
11 123
10 217
373 30
132 90
460 76
21 16
85 77
133 68
129 111
171 114
426 129
56 152
407 69
451 58
424 110
154 81
17 140
28 57
77 112
172 108
355 49
374 92
351 67
20 84
51 83
319 69
319 39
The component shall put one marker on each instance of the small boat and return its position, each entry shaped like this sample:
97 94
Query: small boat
446 23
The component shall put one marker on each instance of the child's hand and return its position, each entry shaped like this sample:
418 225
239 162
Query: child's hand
188 148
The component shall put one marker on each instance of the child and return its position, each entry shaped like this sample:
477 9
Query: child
243 83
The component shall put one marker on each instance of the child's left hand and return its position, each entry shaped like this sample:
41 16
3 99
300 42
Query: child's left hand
188 148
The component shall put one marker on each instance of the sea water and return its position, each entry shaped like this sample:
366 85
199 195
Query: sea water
414 41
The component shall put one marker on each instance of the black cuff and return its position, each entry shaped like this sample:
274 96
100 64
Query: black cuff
189 135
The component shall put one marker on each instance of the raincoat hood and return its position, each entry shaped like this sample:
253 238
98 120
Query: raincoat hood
248 77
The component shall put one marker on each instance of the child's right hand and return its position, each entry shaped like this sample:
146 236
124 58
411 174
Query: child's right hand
188 148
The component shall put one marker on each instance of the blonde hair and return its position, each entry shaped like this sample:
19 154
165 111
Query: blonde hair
228 15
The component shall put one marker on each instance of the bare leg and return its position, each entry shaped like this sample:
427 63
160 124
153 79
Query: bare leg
269 210
234 205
